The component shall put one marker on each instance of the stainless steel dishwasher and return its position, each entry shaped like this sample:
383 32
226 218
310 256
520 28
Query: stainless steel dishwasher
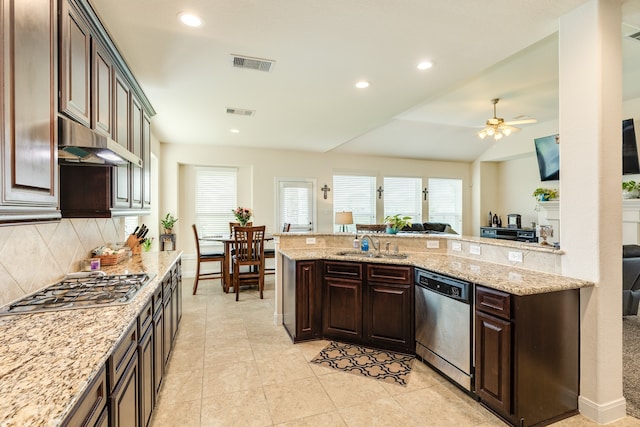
444 324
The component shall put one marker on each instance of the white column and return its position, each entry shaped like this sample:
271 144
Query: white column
590 86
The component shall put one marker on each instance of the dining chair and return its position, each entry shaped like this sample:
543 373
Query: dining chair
236 224
270 253
248 245
206 257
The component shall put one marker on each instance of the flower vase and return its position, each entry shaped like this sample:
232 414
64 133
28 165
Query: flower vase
243 222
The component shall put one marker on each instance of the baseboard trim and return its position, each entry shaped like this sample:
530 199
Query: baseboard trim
603 413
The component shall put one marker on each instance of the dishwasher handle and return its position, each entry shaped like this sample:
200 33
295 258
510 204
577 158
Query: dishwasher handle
444 285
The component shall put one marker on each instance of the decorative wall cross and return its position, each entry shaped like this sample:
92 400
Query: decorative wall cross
380 190
425 192
325 189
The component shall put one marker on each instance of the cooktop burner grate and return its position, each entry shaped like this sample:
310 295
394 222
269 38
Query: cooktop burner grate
81 292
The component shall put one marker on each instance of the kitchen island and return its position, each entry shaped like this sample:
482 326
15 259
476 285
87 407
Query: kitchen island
50 359
518 331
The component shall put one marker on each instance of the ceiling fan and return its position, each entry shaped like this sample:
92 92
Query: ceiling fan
497 127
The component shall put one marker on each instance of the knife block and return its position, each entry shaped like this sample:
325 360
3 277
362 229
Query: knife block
134 244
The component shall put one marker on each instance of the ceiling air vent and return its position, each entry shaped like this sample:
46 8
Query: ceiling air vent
252 63
241 112
631 32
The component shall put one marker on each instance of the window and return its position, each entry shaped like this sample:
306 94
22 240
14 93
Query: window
295 204
216 197
355 193
445 202
403 196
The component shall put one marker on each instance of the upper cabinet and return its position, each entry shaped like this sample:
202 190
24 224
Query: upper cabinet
98 90
28 127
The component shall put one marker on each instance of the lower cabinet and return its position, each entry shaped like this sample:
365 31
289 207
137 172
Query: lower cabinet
145 362
527 354
389 307
124 382
92 409
342 301
302 299
158 338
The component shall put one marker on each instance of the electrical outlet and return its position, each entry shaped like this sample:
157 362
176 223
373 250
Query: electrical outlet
515 277
311 240
433 244
474 268
515 256
456 246
474 249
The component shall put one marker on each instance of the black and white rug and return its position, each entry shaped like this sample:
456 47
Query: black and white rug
631 363
382 365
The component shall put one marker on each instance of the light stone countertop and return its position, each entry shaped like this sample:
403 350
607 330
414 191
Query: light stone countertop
47 360
516 281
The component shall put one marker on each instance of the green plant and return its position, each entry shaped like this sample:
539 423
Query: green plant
629 185
146 243
169 221
541 193
396 221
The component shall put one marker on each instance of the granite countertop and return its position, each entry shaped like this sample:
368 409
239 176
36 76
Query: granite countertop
49 359
516 281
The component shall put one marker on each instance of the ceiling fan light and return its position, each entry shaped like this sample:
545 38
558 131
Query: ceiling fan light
482 134
490 131
497 136
506 131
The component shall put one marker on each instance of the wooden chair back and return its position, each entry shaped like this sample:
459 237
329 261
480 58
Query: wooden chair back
286 227
248 250
236 224
371 228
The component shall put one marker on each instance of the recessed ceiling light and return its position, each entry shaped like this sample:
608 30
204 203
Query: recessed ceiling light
190 19
363 84
234 130
425 65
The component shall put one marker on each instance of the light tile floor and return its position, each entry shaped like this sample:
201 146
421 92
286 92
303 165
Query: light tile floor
231 366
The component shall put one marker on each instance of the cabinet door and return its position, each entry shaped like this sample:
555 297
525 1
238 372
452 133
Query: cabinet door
493 362
389 316
28 118
146 161
136 148
342 309
158 358
125 406
145 355
168 316
121 115
75 50
101 91
308 301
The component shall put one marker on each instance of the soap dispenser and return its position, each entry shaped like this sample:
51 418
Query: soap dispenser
364 246
356 243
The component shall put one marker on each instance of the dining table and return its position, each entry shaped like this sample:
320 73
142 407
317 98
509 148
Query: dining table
227 240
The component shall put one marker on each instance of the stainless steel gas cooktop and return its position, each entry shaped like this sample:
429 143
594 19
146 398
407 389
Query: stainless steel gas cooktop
81 291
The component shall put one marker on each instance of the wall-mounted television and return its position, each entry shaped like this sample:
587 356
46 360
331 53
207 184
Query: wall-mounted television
548 152
630 163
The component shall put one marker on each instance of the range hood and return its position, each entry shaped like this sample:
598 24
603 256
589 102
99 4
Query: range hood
79 144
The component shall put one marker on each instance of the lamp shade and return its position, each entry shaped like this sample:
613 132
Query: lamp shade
343 218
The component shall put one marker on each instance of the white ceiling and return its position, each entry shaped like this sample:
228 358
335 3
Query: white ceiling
482 50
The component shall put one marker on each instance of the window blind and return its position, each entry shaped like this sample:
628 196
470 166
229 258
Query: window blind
356 194
296 205
215 198
402 196
445 202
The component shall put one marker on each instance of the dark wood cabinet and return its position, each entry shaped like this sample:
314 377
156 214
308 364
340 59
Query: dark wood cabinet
526 354
168 316
125 407
75 64
146 162
302 300
389 307
122 135
101 90
342 300
147 389
28 119
137 149
158 352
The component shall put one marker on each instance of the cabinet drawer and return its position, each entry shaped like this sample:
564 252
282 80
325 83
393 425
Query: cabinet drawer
351 270
121 356
92 403
389 274
494 302
145 318
157 299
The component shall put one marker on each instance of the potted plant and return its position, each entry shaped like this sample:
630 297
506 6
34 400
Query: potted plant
545 194
396 223
242 215
146 244
630 189
168 222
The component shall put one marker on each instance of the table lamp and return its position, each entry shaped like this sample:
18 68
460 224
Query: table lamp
344 218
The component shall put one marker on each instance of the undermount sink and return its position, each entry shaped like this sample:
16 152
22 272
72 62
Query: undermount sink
372 254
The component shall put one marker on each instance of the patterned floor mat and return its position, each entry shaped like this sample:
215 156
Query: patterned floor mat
382 365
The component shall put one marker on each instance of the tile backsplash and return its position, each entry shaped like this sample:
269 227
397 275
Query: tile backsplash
33 256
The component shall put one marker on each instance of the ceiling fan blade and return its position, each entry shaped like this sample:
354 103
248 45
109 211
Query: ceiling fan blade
511 128
521 122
